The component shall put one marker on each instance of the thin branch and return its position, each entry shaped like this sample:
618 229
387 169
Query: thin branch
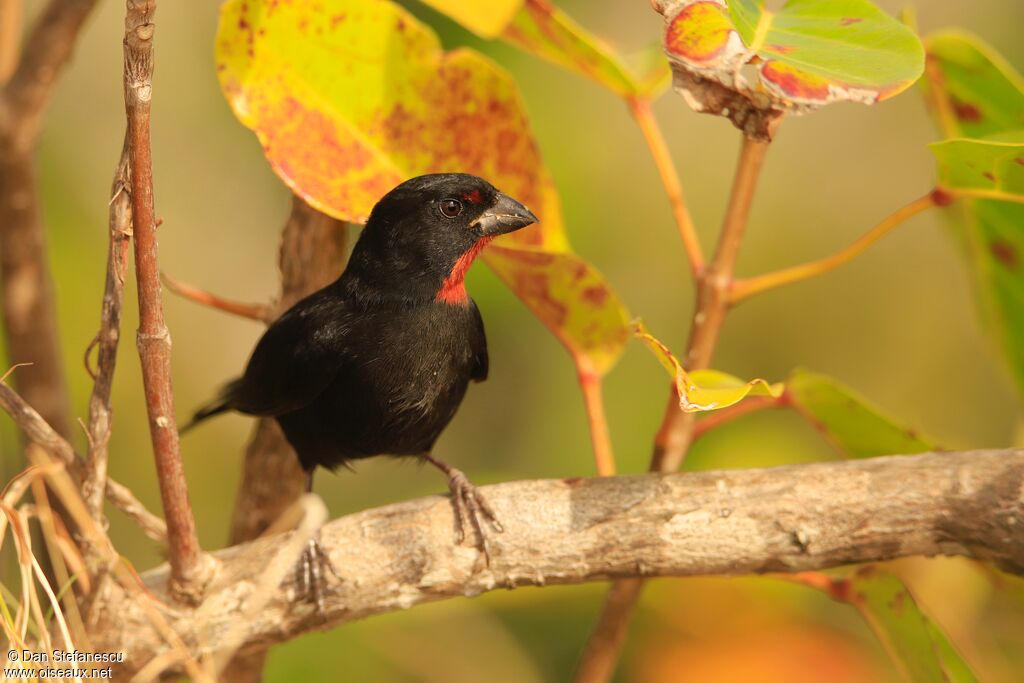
676 433
744 289
100 411
190 570
735 522
261 312
717 418
641 110
39 432
600 438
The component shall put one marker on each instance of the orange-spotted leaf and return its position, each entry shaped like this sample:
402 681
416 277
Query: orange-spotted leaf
571 298
485 19
975 93
349 98
806 55
703 390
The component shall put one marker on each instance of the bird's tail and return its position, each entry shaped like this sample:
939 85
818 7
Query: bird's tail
215 407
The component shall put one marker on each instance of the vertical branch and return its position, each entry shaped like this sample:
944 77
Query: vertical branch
312 255
107 338
677 429
29 311
600 438
676 432
10 37
641 110
154 341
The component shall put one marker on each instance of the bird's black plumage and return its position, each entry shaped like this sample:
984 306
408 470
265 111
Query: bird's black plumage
378 361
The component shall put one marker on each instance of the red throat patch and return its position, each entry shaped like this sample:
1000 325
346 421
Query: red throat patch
453 289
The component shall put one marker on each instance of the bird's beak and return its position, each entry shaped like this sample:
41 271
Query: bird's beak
505 215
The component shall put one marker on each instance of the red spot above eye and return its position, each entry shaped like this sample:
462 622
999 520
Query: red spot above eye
474 197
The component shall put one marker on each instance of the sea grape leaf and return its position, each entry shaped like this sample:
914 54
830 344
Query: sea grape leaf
546 281
349 98
984 93
992 166
976 93
547 32
487 20
917 645
703 390
850 422
808 54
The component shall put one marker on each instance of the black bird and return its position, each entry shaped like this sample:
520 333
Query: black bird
377 362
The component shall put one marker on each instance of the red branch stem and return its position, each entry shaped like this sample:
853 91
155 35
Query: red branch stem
188 568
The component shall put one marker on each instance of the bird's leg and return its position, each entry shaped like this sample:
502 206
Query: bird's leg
312 564
470 505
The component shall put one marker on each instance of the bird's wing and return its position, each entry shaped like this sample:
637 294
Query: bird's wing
479 347
296 359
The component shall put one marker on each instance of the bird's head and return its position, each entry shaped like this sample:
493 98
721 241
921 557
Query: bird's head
423 235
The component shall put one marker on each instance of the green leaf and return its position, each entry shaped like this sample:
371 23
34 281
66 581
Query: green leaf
349 98
853 425
992 167
808 54
974 92
983 92
917 645
548 32
703 390
487 21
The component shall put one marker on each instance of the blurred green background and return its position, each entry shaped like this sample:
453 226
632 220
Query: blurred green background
898 325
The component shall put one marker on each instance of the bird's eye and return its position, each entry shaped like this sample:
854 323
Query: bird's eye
450 208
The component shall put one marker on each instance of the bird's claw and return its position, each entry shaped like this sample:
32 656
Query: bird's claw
311 575
470 506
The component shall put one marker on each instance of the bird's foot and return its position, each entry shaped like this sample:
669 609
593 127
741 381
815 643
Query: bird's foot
471 508
312 571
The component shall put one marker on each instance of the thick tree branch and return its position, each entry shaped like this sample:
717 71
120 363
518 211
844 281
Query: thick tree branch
782 519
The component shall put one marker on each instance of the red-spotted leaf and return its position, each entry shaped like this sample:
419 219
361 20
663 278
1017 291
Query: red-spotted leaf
349 98
848 420
807 54
703 390
916 644
975 93
569 296
990 168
